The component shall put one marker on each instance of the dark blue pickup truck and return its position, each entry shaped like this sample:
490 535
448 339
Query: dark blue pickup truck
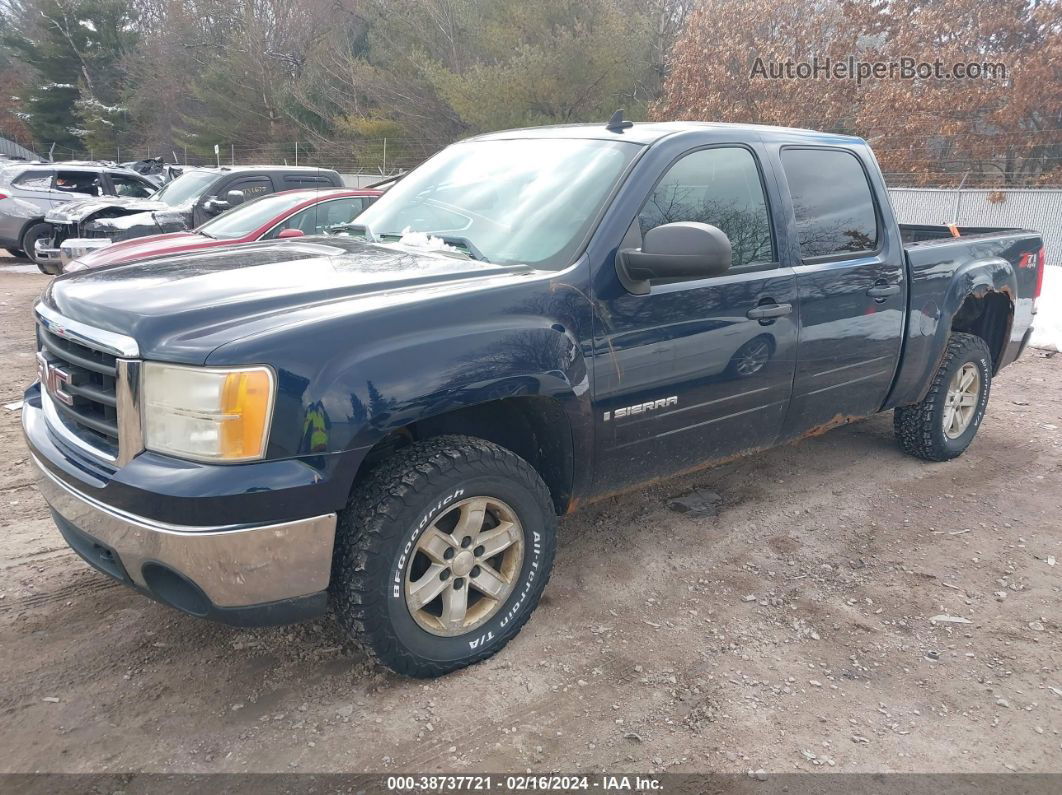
388 422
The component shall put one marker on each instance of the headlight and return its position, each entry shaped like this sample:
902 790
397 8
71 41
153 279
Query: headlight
209 414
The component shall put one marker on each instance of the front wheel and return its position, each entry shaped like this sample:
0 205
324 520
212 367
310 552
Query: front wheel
944 424
39 231
442 554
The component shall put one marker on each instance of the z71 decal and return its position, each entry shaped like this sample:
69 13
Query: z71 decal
641 408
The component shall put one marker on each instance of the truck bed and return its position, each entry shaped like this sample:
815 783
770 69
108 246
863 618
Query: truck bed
913 234
942 270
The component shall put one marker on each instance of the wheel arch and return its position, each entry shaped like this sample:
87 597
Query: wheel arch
535 427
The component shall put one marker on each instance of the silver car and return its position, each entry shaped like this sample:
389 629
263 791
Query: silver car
29 190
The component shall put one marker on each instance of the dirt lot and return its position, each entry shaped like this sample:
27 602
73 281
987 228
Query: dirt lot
792 631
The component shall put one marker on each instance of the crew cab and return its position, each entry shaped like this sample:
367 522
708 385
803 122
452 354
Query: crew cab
389 423
185 203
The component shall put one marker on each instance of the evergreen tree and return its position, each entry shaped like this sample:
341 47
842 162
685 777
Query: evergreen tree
74 49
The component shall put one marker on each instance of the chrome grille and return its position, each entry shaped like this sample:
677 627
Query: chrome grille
90 391
81 383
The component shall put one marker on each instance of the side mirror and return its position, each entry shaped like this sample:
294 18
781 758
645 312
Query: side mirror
234 197
289 233
214 205
682 250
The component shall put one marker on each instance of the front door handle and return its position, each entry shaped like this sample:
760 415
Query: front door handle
882 290
769 311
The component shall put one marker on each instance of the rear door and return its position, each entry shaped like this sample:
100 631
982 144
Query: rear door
76 185
850 281
694 371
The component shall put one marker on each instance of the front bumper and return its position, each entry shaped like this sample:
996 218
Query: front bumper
74 247
245 575
46 252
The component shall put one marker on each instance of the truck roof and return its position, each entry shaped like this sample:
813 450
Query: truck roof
646 133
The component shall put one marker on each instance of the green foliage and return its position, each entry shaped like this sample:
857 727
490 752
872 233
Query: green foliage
75 48
553 62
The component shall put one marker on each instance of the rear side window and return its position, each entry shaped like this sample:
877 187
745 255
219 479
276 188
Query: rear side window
721 187
305 181
832 200
34 180
85 182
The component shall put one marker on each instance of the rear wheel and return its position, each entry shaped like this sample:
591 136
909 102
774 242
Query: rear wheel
33 233
442 554
944 424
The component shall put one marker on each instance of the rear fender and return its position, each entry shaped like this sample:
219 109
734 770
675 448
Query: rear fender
975 278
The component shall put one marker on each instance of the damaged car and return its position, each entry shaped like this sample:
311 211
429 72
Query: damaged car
185 203
29 191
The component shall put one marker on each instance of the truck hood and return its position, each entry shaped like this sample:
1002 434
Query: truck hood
181 308
76 212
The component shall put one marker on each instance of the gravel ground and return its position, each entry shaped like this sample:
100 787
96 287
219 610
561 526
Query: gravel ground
792 630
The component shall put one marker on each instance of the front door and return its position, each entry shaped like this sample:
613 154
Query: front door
852 294
696 371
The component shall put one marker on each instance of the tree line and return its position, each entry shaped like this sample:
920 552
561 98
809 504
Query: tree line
167 76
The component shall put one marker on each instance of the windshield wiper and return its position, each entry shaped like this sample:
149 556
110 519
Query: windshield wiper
461 242
453 240
457 241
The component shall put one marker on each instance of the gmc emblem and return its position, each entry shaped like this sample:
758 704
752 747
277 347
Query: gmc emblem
53 379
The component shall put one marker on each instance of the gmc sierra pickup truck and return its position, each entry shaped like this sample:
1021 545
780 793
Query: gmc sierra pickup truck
388 422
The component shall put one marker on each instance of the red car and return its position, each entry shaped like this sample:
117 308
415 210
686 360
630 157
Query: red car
291 213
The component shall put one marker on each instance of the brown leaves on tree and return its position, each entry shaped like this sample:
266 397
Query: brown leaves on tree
1001 131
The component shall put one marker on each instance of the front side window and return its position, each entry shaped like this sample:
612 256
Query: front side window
721 187
125 185
86 182
250 187
511 201
245 218
319 218
832 200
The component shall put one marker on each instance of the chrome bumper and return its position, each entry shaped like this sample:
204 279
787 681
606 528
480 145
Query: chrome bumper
233 566
74 247
46 252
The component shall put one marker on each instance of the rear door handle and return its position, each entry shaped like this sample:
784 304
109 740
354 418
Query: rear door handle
767 311
883 291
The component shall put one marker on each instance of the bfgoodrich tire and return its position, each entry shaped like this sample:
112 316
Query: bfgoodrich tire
442 554
944 424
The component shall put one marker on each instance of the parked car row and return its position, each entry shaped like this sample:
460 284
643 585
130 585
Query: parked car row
55 213
291 213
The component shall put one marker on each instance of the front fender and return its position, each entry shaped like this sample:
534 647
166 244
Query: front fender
370 390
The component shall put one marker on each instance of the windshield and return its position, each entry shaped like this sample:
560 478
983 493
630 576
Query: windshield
245 218
186 188
528 201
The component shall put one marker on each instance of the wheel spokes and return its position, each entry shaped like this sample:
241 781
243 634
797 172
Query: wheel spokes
489 582
429 585
434 544
455 606
470 521
497 540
